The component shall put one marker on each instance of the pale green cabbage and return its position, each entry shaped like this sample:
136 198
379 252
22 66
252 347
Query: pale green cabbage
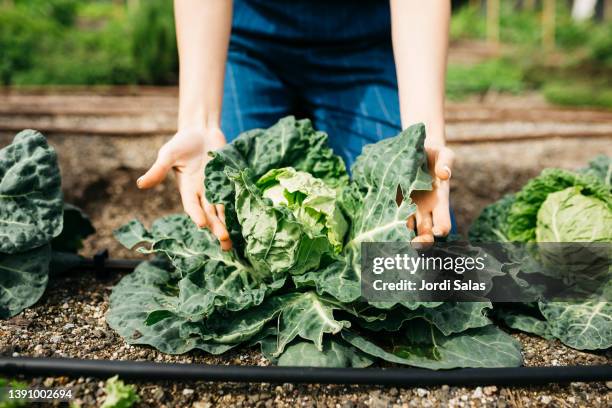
312 202
569 216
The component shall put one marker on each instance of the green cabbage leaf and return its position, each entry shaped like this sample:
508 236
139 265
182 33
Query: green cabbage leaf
291 284
558 206
39 233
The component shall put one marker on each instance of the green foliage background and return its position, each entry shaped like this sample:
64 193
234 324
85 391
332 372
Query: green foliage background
576 73
104 42
69 42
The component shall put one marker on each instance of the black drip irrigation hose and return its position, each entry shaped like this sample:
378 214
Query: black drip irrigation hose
150 371
104 266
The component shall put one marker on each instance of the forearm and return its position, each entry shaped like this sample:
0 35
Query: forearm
202 29
420 45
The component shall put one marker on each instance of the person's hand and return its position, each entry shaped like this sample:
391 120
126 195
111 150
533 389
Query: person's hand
187 154
432 218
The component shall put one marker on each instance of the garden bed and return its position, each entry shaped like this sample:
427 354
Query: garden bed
99 174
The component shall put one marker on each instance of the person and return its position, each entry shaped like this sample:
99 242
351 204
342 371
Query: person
361 70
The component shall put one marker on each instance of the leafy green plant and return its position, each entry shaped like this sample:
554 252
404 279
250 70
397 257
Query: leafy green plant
118 394
21 34
102 56
292 282
557 206
62 12
498 75
15 385
576 94
39 232
153 41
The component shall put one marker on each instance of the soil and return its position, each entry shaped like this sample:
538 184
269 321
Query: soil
99 174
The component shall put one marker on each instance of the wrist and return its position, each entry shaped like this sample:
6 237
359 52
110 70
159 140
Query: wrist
435 133
198 122
434 125
435 137
198 114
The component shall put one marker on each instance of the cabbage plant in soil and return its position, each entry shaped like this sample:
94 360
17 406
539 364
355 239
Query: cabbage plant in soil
39 233
291 283
557 206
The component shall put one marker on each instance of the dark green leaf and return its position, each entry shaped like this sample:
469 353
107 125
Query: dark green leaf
424 346
76 227
23 279
30 193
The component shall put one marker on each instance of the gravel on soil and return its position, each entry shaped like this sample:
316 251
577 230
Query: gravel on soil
99 174
69 322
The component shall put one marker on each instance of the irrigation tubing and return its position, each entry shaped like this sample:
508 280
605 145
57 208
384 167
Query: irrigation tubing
150 371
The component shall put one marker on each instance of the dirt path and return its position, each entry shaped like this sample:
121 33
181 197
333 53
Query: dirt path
107 139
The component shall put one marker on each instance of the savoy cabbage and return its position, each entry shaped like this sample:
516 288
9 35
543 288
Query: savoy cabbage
291 283
39 233
557 206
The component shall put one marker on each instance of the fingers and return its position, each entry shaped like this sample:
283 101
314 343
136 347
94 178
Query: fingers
157 172
441 210
221 212
216 225
444 163
193 208
411 222
441 221
424 226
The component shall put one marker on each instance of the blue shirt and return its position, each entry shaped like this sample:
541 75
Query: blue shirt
311 21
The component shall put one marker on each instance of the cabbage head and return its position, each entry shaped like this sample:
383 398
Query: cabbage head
311 201
570 216
559 206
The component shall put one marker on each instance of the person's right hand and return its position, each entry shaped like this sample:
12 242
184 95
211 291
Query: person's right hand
187 154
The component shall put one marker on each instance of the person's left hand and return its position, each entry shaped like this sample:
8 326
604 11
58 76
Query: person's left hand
432 218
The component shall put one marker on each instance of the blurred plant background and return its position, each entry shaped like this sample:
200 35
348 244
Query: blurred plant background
503 46
544 46
70 42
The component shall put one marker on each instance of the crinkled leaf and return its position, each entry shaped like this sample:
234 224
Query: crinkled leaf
276 242
382 168
23 279
211 279
449 318
76 227
131 234
601 167
294 315
151 288
524 321
584 326
522 218
422 345
216 286
370 201
311 200
289 142
308 316
177 237
338 279
30 193
335 353
492 223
